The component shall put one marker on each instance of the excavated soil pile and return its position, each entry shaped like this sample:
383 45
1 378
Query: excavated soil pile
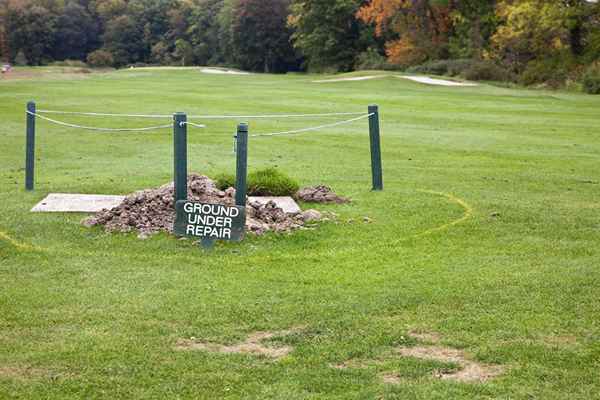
320 194
151 211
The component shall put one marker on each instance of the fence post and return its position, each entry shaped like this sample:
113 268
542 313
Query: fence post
241 169
180 156
30 147
376 169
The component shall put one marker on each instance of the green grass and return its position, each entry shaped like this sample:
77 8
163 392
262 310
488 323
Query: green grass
263 182
94 315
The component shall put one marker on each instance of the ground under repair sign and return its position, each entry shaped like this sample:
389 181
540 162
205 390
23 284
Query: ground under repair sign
210 221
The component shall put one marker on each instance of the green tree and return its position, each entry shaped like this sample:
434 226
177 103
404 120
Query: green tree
537 30
31 29
124 39
76 34
183 52
473 24
327 33
203 28
261 37
4 44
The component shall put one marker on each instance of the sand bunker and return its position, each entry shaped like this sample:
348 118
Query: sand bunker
352 79
432 81
252 345
421 79
223 71
151 211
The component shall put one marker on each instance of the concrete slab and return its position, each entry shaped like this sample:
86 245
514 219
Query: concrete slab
287 204
88 203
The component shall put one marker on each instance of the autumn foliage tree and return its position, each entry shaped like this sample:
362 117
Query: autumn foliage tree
416 30
545 40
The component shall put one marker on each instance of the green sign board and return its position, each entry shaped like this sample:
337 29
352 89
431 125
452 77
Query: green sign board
209 221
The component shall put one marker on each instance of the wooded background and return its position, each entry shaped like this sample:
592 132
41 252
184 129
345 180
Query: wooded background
529 41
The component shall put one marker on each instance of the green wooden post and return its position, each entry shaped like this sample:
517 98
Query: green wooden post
180 156
30 147
376 169
241 170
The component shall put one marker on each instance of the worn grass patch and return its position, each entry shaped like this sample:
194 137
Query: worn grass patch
254 344
468 370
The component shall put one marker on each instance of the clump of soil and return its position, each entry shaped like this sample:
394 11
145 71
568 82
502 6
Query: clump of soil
320 194
252 345
152 211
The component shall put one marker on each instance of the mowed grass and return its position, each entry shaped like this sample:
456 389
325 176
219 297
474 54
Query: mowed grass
487 233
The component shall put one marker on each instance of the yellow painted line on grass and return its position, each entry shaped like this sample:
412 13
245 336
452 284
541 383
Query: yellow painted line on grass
468 212
21 246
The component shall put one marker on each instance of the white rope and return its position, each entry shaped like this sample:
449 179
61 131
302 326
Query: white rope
182 123
90 128
93 114
273 116
314 128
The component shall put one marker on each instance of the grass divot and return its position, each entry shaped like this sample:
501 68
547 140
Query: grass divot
252 345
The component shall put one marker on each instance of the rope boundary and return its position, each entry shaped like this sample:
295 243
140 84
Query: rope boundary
92 128
160 116
314 128
183 123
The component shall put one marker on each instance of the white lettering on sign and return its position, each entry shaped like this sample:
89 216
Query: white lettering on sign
199 219
213 221
208 231
212 209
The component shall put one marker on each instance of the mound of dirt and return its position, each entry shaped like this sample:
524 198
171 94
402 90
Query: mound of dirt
151 211
320 194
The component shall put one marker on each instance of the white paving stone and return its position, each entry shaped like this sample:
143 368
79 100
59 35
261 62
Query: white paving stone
88 203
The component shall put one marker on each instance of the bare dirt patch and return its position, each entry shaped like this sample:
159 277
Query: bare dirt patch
252 345
22 373
151 211
470 371
561 341
46 73
391 379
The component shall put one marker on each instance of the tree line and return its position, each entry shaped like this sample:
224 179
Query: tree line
530 40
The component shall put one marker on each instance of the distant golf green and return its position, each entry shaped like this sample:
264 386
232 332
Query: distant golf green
486 237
